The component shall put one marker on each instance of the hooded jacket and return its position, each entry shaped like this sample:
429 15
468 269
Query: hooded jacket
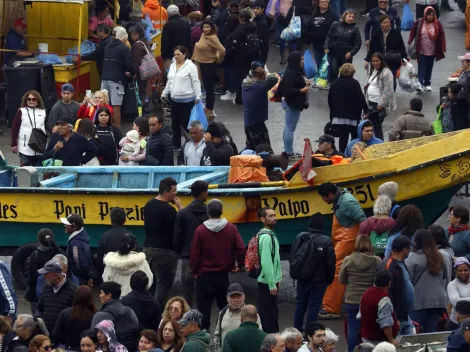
440 42
183 84
109 137
79 257
156 12
347 210
235 45
378 225
215 247
197 342
119 268
175 32
116 62
271 272
107 328
187 221
412 124
145 308
159 148
357 273
217 155
292 82
263 28
372 141
60 110
343 38
8 298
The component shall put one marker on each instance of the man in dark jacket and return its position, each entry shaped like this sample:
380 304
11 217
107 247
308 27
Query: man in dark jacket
57 295
326 146
124 319
176 31
111 240
187 221
218 151
401 290
98 55
159 146
310 292
373 23
263 27
216 249
117 68
78 249
8 298
456 340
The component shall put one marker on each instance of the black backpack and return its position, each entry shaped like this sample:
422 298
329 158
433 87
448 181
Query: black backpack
252 44
304 255
126 333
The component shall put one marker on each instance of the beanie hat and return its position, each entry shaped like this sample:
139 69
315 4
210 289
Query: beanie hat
390 189
316 222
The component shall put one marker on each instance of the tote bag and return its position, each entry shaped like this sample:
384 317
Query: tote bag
148 67
294 30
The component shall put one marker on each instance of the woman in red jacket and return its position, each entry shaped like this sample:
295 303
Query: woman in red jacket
91 105
430 44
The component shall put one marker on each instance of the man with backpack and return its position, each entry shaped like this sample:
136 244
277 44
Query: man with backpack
197 339
312 262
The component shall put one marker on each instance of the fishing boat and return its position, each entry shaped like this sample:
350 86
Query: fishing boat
428 170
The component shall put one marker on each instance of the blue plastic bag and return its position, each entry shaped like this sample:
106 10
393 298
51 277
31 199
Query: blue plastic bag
49 59
321 77
407 19
309 64
87 47
197 114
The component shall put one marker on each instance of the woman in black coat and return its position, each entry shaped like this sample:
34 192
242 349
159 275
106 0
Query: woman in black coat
346 102
459 107
388 42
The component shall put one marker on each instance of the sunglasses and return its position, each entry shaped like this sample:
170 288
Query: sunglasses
32 99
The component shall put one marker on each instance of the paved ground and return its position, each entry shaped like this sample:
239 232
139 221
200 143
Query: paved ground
311 125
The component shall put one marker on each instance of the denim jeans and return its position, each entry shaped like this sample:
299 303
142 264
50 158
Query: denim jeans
425 65
339 6
163 263
354 326
292 118
427 318
309 295
318 55
407 328
187 281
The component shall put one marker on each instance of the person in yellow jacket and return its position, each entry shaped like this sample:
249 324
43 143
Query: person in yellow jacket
156 12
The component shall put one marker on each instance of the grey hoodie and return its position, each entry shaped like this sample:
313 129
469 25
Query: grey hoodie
60 110
357 273
216 225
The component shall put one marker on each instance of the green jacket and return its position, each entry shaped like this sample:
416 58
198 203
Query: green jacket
247 338
271 272
197 342
347 209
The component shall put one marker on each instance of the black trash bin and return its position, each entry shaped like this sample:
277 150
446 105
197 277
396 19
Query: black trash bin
21 79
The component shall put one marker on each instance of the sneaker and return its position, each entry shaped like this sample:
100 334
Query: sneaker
227 96
428 89
324 315
324 88
220 91
419 90
293 156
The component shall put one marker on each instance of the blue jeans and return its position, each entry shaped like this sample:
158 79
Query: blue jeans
318 55
427 318
425 65
354 326
339 6
309 296
407 328
292 118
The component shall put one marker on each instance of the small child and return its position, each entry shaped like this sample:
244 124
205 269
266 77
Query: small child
131 147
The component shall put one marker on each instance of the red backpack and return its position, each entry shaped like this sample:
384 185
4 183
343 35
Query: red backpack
252 258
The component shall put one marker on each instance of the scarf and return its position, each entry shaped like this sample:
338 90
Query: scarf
453 229
432 28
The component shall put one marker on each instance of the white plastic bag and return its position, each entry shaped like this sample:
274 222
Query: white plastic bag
408 80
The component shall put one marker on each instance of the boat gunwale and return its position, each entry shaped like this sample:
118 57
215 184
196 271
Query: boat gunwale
222 191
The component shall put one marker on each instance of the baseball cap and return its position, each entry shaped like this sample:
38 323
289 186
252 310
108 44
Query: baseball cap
235 289
193 316
52 266
466 56
466 325
67 87
460 261
20 22
73 219
64 119
402 242
326 138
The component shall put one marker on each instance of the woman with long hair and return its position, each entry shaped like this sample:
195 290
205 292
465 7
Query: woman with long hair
108 134
88 341
31 115
458 289
141 125
428 273
72 321
175 308
408 222
148 340
40 343
458 231
357 273
379 92
47 249
120 265
430 44
169 336
442 243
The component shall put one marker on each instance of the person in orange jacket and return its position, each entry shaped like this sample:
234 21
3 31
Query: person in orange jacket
156 12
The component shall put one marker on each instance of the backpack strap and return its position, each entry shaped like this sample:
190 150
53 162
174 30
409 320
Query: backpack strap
273 243
221 316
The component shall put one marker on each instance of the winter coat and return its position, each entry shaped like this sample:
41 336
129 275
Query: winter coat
110 330
343 38
412 124
430 290
393 43
42 282
176 31
217 155
219 17
378 225
60 110
197 342
456 342
460 243
8 298
247 338
374 140
22 128
145 308
184 83
119 268
440 42
347 210
156 12
117 61
76 151
187 221
292 82
109 137
387 94
79 256
357 273
346 106
234 45
261 22
98 54
254 92
373 25
68 331
319 26
459 111
159 148
208 50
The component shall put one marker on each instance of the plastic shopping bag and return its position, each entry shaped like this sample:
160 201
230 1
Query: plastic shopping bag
437 125
86 47
408 80
321 77
309 64
49 59
197 114
294 30
407 19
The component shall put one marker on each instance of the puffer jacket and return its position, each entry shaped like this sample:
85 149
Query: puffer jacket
159 149
412 124
343 38
119 268
116 62
22 128
357 273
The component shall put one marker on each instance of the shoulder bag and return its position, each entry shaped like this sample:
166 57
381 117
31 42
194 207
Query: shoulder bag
391 57
148 67
37 138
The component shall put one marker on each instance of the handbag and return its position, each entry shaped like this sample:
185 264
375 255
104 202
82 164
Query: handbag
148 68
391 57
376 117
412 50
294 30
37 138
